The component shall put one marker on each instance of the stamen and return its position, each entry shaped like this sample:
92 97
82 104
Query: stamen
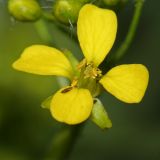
74 82
82 64
92 72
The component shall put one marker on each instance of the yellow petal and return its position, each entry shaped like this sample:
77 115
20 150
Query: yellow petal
43 60
127 82
96 29
71 105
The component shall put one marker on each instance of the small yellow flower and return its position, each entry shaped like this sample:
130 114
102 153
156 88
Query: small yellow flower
96 29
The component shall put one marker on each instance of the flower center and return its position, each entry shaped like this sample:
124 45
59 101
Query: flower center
88 78
89 70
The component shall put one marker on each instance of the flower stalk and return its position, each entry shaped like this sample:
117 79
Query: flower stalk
43 32
121 51
63 142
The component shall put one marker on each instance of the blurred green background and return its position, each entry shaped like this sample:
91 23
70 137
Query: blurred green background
26 129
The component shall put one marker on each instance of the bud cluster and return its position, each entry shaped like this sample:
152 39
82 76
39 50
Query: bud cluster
63 11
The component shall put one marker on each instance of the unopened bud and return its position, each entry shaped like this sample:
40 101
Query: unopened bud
24 10
66 11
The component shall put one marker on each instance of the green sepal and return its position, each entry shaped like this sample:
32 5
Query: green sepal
99 115
46 103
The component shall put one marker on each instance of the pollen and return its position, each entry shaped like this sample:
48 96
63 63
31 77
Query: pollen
92 72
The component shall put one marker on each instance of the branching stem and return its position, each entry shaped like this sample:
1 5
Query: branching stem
122 50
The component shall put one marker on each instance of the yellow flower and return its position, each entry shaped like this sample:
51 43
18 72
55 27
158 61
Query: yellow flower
96 29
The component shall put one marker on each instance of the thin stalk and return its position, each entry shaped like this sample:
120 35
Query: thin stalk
43 32
63 142
122 50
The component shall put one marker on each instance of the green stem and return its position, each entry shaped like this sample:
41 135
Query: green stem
64 28
131 32
42 31
62 143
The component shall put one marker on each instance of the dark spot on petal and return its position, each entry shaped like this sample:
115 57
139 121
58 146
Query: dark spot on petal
66 90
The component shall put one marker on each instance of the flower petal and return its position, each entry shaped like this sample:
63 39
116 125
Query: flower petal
96 29
127 82
44 60
71 105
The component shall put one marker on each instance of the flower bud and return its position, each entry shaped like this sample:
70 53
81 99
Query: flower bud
24 10
99 116
66 11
